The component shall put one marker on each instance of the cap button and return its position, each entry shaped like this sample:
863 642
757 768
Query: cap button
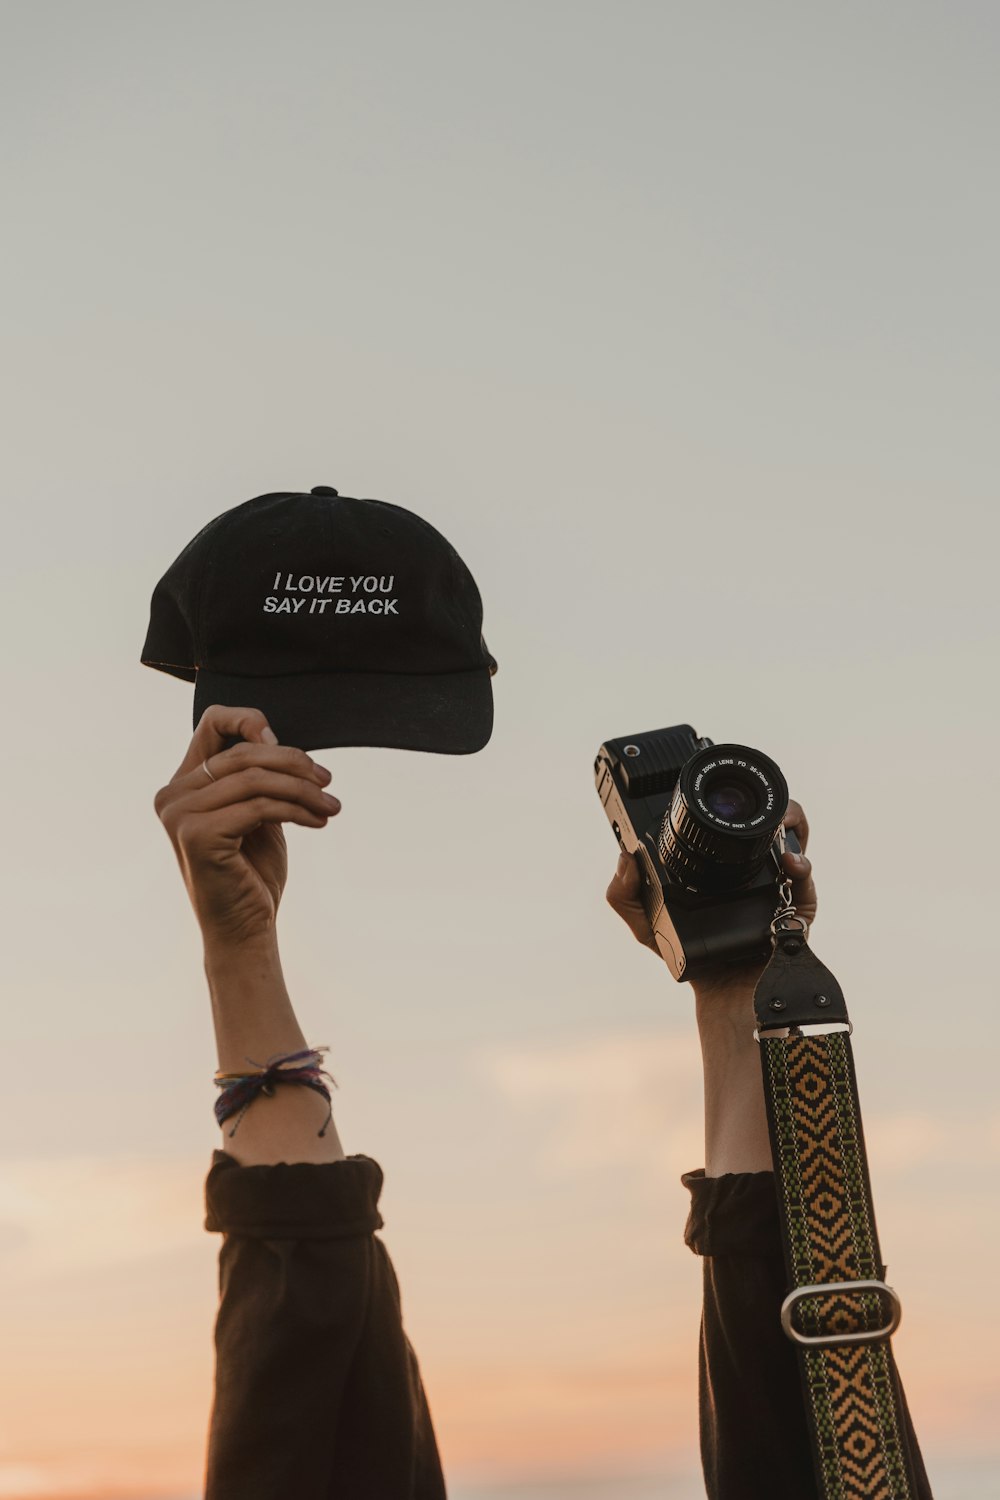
322 489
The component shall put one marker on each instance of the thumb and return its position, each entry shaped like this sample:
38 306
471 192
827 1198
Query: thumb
219 724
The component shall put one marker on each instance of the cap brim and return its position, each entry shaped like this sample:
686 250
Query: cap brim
450 713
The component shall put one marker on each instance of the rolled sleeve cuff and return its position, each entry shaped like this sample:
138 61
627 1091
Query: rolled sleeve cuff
294 1200
736 1214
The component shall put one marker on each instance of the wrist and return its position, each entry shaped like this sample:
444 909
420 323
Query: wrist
724 992
736 1135
724 1007
251 1006
224 954
726 1033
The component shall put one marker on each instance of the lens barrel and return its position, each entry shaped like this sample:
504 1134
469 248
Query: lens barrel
726 809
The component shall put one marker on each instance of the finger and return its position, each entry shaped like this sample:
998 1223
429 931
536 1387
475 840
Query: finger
796 820
284 758
251 783
219 723
203 835
623 898
799 867
634 917
626 881
241 757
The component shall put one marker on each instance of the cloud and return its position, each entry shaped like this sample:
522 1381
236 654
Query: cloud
901 1142
27 1481
23 1480
79 1212
622 1097
898 1142
638 1096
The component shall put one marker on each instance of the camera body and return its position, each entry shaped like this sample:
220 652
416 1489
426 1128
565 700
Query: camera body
704 822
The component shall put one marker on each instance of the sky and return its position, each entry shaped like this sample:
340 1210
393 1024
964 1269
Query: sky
681 324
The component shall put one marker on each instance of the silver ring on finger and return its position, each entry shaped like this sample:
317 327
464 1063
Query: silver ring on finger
204 767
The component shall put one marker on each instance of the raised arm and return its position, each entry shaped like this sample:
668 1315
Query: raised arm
317 1390
754 1437
736 1138
223 810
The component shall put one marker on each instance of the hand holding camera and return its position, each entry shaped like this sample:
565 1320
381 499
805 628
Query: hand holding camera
624 897
721 816
708 839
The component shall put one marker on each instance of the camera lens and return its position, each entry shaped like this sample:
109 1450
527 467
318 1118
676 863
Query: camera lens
726 808
730 801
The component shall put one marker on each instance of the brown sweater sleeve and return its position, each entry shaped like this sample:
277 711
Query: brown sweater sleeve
754 1435
317 1390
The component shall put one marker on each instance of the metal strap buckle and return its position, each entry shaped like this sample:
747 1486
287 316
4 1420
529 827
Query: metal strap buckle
833 1288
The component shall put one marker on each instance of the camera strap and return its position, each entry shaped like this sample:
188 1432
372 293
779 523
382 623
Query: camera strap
839 1312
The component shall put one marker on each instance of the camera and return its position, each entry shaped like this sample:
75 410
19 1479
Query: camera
705 824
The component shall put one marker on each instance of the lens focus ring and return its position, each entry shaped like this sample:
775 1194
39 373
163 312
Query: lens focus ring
727 805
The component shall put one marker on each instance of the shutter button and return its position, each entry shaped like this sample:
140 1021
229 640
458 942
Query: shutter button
322 489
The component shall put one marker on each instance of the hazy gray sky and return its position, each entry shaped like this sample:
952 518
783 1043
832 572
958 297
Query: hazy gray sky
681 323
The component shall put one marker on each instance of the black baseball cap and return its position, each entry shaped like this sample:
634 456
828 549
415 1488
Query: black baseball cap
346 622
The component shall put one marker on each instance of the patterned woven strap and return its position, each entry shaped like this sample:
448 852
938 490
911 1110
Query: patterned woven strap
828 1230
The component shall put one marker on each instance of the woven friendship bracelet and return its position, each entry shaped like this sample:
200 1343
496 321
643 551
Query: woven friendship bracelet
239 1090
